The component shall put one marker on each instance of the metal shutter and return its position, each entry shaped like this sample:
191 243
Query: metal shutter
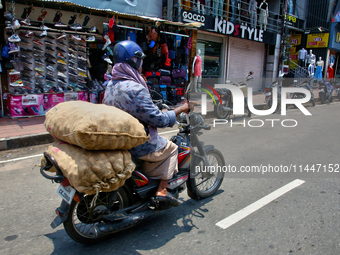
246 56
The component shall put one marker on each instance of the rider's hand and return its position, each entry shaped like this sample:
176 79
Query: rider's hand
183 108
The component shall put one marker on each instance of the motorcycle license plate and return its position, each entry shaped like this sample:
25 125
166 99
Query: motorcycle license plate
321 90
66 193
268 94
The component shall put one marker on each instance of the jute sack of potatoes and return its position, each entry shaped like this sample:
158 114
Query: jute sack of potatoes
91 171
94 126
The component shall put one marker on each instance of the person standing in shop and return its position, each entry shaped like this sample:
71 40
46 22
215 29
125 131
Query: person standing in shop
129 92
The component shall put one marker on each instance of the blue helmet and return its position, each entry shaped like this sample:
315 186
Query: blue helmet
125 50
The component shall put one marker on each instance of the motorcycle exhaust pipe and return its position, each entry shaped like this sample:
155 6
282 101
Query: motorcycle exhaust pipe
227 108
103 229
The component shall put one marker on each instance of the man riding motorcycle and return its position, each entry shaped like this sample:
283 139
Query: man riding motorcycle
128 91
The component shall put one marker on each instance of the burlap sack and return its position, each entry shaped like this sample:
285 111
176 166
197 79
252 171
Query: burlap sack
89 171
94 126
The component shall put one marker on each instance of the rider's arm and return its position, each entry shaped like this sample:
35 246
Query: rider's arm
141 106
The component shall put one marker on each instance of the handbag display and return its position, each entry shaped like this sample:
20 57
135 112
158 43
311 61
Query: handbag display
164 48
172 54
180 82
172 94
165 80
178 73
155 81
163 89
150 74
164 72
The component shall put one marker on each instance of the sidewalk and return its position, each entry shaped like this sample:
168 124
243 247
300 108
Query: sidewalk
30 131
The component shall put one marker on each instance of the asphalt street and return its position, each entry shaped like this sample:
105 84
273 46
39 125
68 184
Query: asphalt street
303 219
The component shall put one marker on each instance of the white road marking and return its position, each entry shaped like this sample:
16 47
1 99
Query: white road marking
236 217
16 159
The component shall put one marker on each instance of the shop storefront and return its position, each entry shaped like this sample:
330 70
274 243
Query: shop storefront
230 50
55 54
333 70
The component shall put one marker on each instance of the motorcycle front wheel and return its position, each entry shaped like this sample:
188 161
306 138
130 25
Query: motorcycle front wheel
219 110
82 217
204 182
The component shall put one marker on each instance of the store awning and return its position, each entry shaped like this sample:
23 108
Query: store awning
72 5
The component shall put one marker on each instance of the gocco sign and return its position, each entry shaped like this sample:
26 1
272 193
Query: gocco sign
193 17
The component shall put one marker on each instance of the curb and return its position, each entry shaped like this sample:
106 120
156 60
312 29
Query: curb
17 142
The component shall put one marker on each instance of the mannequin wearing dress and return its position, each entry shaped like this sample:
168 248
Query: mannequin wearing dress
197 71
330 71
319 68
252 9
263 20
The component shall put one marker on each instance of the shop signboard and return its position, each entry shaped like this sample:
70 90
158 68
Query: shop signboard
294 22
136 7
317 40
296 39
39 104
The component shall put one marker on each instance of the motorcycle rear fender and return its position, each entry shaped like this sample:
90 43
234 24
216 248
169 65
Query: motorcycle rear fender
62 212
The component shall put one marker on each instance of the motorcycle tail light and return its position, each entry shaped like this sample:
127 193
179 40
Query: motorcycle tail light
267 90
57 212
76 198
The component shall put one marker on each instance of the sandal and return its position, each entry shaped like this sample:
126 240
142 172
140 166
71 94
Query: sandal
168 200
42 16
86 20
57 17
73 18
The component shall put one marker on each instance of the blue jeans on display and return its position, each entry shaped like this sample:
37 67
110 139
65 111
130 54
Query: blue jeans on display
233 9
218 7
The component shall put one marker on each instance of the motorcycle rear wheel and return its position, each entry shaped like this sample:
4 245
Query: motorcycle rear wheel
80 218
201 187
322 98
313 102
339 95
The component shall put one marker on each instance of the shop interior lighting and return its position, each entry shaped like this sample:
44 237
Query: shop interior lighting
170 33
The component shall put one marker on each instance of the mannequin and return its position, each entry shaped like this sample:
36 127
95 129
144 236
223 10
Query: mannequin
310 57
263 20
218 7
311 71
200 6
252 9
302 57
330 71
197 71
234 4
319 68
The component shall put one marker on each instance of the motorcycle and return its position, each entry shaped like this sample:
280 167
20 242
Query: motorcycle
325 92
223 111
88 222
337 90
305 85
269 93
